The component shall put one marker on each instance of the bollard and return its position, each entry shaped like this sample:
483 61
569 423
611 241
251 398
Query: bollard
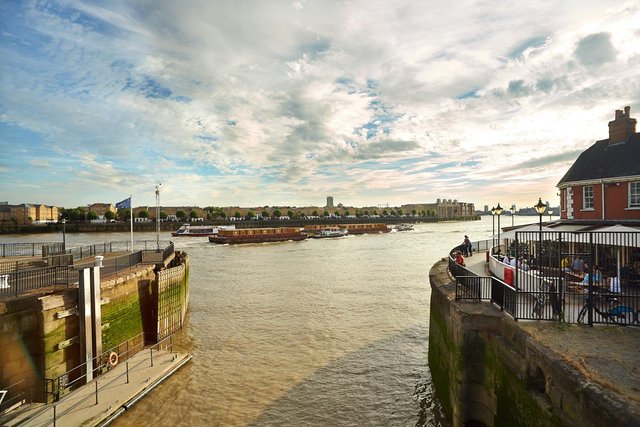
99 260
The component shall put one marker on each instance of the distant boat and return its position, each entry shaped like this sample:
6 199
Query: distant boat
404 227
326 232
258 235
188 230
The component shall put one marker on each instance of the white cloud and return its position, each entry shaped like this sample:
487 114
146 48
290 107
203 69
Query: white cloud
256 103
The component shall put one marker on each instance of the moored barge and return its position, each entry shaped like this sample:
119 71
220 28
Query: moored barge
258 235
188 230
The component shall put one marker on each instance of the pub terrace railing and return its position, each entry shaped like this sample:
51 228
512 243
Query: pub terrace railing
574 277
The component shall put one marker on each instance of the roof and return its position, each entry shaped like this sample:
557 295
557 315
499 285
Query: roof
602 160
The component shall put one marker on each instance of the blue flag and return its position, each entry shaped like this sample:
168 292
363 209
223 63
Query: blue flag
125 204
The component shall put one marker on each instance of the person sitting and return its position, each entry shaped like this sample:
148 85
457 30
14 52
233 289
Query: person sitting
507 259
523 264
595 277
459 258
564 264
577 265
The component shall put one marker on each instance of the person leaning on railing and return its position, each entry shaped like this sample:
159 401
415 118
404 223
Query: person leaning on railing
459 258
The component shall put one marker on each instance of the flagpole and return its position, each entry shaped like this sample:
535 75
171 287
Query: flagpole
131 215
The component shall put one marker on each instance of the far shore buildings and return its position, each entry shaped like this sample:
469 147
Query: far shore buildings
603 184
27 213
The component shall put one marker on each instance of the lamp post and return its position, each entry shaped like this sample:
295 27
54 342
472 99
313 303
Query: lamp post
550 213
513 211
540 208
499 211
158 217
493 228
64 234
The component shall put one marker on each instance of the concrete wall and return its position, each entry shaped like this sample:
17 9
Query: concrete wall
487 371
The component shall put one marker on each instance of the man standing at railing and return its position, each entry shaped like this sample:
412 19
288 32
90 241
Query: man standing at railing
468 246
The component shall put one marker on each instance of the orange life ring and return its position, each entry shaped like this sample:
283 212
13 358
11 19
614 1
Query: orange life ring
113 358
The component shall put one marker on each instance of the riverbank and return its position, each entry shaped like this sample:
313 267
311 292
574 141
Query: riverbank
113 227
490 369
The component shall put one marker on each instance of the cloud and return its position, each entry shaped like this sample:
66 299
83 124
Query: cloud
595 49
263 103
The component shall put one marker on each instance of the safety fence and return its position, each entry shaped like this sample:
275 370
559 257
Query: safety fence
25 249
587 277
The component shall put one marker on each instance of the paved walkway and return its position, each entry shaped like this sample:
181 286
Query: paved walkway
477 263
114 393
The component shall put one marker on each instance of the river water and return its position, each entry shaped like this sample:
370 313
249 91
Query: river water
327 332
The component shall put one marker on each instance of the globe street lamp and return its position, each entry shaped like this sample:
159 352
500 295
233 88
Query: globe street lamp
513 211
540 208
493 228
499 211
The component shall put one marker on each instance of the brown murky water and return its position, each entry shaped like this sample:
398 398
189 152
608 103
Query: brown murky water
329 332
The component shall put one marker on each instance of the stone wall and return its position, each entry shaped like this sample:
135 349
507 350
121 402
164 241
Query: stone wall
39 334
488 371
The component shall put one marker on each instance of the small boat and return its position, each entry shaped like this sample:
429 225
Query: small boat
258 235
325 232
188 230
404 227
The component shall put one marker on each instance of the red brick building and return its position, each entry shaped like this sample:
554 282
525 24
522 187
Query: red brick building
603 184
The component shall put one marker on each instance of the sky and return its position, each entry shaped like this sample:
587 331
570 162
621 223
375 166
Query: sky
283 103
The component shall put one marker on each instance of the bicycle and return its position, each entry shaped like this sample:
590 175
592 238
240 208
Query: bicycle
617 313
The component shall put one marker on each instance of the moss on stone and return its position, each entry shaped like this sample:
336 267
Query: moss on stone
124 317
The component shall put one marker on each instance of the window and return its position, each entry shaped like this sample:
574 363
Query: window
587 197
634 194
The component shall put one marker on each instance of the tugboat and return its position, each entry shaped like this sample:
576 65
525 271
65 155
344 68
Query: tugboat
325 232
188 230
404 227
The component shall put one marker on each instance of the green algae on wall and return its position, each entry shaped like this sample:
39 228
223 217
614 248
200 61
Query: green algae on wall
124 319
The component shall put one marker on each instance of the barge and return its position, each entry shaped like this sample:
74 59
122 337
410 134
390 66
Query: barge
258 235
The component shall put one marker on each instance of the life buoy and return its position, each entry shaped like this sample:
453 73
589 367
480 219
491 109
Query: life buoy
113 358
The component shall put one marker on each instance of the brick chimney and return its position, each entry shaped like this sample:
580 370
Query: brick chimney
622 127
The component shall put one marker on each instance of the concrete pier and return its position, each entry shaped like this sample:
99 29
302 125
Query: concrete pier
106 397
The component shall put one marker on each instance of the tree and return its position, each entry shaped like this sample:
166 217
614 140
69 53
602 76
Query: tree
237 214
290 213
181 214
347 213
375 212
325 214
358 214
109 215
336 213
413 212
163 215
193 214
384 212
250 215
143 214
123 214
315 213
265 214
366 213
92 215
277 213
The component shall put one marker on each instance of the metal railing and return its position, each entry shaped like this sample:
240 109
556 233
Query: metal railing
17 282
52 390
544 286
14 281
24 249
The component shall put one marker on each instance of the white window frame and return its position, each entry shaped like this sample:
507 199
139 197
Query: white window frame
634 195
585 198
